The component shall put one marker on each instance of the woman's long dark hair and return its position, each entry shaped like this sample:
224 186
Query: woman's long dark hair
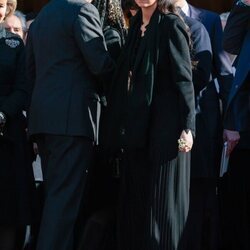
166 6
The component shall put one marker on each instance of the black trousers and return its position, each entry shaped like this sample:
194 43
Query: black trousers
65 163
236 206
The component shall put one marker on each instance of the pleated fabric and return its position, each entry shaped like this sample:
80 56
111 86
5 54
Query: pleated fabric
169 203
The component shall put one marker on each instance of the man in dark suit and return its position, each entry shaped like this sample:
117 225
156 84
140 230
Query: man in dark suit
202 57
66 58
210 100
237 126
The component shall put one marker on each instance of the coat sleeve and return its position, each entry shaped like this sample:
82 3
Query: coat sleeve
237 24
201 55
182 72
89 38
222 65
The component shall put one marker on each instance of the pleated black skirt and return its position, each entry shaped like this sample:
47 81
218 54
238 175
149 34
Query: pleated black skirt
169 202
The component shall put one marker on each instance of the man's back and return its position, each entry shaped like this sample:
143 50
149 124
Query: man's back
66 53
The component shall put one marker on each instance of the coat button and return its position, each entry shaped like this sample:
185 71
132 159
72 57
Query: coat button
236 86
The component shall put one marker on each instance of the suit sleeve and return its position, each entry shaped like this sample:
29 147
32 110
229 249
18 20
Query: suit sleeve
114 43
89 38
202 54
237 24
222 69
182 72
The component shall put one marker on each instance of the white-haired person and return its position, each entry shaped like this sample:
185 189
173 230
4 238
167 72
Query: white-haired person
16 23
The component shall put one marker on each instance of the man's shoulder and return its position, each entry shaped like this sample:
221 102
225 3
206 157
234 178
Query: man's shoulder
78 3
206 13
193 23
69 4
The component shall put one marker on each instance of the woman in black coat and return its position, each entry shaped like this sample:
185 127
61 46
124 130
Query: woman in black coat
151 109
16 177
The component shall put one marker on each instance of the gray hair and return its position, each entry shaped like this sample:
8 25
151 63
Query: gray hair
22 19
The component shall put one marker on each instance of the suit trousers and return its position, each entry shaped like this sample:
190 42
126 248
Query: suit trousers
65 164
237 208
202 228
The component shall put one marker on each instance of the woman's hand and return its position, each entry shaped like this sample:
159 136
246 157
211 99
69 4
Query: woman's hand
186 141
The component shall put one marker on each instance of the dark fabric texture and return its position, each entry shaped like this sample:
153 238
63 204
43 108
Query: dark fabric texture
133 207
203 226
210 123
65 69
132 116
237 117
222 68
170 203
236 211
145 116
65 163
136 59
205 156
96 223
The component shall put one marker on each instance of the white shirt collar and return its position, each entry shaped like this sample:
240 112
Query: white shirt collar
186 9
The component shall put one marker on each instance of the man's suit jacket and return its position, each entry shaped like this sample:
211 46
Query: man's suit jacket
203 154
66 56
222 69
210 96
237 41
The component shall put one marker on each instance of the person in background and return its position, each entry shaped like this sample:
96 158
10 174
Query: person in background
97 216
16 23
205 161
16 177
236 41
129 8
113 25
66 60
